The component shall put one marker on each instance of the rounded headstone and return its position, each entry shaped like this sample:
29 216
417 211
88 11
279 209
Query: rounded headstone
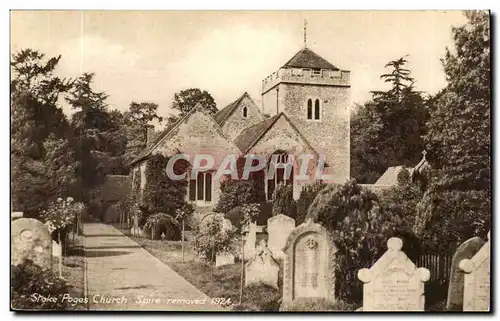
31 240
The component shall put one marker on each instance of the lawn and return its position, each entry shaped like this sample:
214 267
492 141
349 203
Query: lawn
73 269
220 282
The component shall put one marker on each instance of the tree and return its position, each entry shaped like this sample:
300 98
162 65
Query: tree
387 130
187 99
43 163
458 139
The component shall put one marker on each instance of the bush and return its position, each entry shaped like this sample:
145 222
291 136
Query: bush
360 230
238 192
283 202
262 296
159 223
28 279
211 237
318 304
242 215
307 196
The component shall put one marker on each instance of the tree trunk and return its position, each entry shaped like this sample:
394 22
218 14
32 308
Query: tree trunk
60 256
182 241
242 268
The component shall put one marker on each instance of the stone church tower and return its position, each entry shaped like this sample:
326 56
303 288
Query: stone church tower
315 95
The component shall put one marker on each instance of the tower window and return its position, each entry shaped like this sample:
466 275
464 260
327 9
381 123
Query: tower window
316 109
309 109
314 113
245 112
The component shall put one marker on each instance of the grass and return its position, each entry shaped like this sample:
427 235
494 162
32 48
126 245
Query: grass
73 269
220 282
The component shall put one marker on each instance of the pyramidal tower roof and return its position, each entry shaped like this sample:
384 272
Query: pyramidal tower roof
306 58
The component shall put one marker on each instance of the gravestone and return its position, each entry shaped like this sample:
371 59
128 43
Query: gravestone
262 268
56 249
456 286
31 240
477 280
250 241
393 283
224 259
308 270
278 229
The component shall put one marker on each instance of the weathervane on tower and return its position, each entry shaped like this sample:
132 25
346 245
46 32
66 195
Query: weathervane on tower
305 33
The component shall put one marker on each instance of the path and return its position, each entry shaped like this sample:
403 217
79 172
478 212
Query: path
121 275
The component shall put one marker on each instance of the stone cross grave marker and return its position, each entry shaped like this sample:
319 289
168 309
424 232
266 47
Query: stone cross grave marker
466 250
31 239
393 283
262 267
477 280
278 229
308 270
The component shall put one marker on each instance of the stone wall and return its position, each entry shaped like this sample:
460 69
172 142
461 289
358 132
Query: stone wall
235 123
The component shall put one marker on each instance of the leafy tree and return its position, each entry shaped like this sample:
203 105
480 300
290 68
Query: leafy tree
43 163
387 130
237 193
187 99
283 201
458 197
307 196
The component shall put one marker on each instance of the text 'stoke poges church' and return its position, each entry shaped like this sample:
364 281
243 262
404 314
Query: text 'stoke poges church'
305 110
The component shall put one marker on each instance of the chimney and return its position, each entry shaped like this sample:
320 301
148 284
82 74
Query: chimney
150 133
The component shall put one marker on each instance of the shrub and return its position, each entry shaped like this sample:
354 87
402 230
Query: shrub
28 279
307 195
360 230
211 237
283 202
263 297
159 223
318 304
238 192
468 214
242 215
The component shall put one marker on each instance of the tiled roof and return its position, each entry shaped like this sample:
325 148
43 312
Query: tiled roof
390 176
223 114
250 135
306 58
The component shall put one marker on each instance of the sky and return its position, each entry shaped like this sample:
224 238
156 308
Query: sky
150 55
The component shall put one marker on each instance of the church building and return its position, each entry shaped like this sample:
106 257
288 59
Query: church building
305 110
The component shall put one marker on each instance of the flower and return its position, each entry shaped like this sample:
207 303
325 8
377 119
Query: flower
69 199
59 199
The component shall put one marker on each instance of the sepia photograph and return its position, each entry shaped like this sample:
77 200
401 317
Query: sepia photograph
250 161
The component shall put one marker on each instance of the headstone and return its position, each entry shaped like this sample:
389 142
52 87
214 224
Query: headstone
309 269
224 259
393 283
15 215
251 238
278 229
31 239
262 268
477 280
56 249
456 285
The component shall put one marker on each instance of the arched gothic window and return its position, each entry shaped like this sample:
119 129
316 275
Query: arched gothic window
317 110
309 109
245 112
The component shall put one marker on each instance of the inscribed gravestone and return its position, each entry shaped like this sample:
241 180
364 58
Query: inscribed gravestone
308 264
30 239
278 229
456 286
393 283
262 268
477 280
